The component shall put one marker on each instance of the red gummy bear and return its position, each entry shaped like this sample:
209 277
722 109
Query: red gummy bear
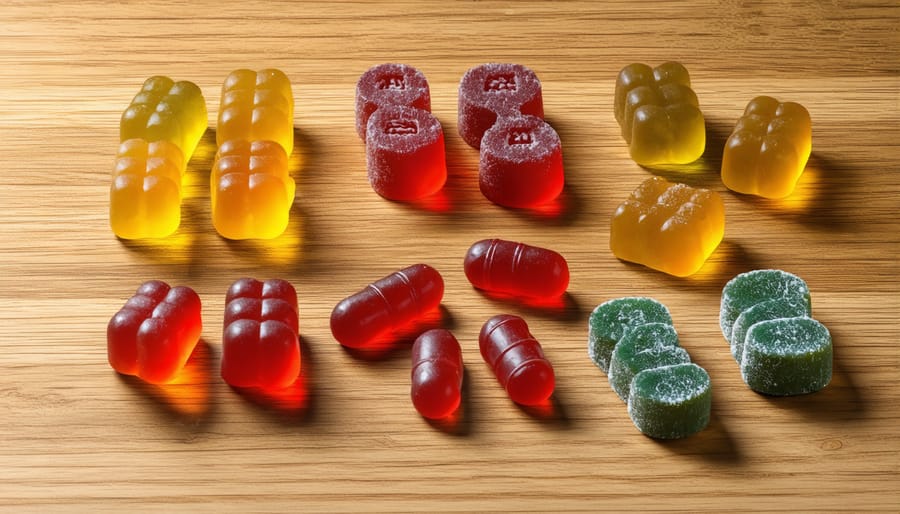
155 332
516 268
437 374
489 91
260 346
517 359
521 162
389 84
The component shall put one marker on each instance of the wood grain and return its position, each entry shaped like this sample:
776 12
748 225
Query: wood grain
75 436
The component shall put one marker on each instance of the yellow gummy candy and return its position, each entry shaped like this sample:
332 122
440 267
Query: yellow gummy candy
669 227
768 149
659 114
257 106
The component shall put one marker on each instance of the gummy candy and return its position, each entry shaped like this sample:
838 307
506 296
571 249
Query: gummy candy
670 402
659 114
611 320
251 190
516 268
489 91
257 106
669 227
385 305
145 195
787 356
516 359
644 347
166 110
155 332
769 309
768 149
260 346
753 287
521 162
389 84
437 374
405 153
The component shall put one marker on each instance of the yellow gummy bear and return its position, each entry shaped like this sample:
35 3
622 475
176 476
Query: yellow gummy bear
252 191
669 227
166 110
145 195
768 149
659 114
257 106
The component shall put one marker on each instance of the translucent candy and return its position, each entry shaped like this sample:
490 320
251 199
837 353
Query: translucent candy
673 228
516 268
516 359
611 320
659 114
644 347
437 374
769 309
748 289
257 106
521 162
489 91
787 356
389 84
386 304
670 402
405 153
768 149
260 345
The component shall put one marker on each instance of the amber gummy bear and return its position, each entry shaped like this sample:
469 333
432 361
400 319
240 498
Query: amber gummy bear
669 227
659 114
768 149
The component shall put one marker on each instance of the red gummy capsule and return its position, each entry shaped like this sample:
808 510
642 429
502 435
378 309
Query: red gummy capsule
489 91
517 359
405 153
521 162
260 346
155 332
389 84
386 305
516 268
437 373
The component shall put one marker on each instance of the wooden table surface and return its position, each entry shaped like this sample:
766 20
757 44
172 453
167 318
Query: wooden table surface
76 436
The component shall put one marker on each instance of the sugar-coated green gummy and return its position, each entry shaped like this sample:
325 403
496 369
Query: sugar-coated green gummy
748 289
670 402
767 310
644 347
613 319
789 356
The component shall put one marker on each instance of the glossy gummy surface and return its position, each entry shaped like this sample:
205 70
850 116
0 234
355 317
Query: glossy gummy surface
517 359
437 374
516 268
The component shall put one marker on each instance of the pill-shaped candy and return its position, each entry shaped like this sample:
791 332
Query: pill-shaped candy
389 84
437 373
387 304
516 268
517 359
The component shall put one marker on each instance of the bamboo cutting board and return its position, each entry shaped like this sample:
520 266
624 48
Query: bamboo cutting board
74 436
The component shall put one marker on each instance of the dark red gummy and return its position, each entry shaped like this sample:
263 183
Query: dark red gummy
405 153
516 268
260 342
386 305
517 359
437 374
521 162
389 84
489 91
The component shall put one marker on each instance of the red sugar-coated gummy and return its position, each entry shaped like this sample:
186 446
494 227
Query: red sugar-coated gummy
517 359
155 332
516 268
260 345
389 84
521 162
489 91
387 304
405 153
437 374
